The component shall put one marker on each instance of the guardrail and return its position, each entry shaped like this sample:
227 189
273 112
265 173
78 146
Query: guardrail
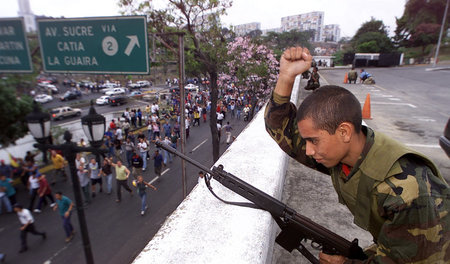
204 230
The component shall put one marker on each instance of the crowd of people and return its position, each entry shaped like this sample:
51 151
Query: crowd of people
129 141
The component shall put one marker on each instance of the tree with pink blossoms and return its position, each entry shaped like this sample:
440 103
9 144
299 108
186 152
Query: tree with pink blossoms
252 67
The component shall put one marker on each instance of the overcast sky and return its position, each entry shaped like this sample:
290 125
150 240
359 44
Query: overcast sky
349 14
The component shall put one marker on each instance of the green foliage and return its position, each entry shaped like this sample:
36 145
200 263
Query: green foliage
278 42
338 57
416 14
373 42
372 37
370 26
13 111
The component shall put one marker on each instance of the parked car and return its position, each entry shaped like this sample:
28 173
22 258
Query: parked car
108 86
52 88
134 86
117 100
136 94
191 88
69 82
115 91
64 112
144 83
102 100
43 98
70 95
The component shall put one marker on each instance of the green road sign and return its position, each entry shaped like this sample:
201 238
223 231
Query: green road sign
107 45
14 53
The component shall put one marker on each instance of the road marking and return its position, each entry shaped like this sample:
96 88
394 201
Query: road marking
423 146
194 149
382 103
394 99
157 177
48 261
379 87
152 181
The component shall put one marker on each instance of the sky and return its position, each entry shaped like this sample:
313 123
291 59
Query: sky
349 14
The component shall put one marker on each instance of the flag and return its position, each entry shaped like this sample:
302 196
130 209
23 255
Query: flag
13 161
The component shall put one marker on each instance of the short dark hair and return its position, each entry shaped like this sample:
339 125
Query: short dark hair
329 106
18 206
58 192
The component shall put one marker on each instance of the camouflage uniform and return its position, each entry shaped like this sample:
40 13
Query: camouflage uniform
396 194
352 76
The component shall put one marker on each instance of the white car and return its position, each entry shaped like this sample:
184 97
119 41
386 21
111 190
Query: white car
103 100
143 83
191 88
115 91
43 98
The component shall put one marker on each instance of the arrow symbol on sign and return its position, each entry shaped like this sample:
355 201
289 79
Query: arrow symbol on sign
133 41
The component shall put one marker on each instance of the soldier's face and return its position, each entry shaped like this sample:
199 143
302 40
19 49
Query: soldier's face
326 149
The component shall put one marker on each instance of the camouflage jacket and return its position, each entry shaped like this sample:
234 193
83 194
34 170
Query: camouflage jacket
408 215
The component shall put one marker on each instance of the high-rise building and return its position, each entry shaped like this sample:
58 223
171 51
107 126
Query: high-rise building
304 22
244 29
331 33
27 14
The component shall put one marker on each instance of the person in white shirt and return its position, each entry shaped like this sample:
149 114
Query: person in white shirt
119 134
33 187
27 225
143 147
220 117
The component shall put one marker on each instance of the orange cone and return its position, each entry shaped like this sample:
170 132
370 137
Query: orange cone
346 78
366 108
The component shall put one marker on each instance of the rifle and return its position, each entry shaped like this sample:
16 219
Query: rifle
295 228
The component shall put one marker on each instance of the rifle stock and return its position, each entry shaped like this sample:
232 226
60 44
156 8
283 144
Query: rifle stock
294 227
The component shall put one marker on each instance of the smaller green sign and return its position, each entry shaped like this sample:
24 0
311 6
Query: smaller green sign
14 52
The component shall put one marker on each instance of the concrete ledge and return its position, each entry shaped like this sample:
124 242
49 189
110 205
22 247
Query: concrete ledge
204 230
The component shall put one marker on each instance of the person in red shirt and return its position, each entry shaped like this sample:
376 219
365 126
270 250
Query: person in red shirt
112 125
44 192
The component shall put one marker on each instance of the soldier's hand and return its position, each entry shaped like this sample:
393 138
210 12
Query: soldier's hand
331 259
294 61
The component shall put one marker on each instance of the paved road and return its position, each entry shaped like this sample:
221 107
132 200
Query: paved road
117 230
407 103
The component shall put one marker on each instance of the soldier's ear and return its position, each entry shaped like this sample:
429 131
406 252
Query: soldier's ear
345 131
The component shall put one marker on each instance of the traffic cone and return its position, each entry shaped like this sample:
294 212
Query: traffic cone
346 78
366 108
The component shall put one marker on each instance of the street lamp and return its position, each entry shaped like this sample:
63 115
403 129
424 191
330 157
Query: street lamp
94 126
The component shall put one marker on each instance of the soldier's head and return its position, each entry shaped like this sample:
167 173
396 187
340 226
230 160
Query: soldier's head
329 120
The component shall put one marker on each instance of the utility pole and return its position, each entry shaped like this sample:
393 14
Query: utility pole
440 35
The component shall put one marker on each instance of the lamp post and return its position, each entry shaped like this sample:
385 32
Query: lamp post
94 126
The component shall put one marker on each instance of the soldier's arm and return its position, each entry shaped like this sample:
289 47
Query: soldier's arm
416 207
280 115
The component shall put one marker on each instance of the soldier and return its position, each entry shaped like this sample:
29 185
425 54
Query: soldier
313 82
352 75
395 193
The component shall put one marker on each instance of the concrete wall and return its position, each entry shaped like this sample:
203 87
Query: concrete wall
204 230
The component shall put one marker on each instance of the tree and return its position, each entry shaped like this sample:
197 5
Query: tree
13 110
372 37
418 15
424 35
373 42
252 67
278 42
200 19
